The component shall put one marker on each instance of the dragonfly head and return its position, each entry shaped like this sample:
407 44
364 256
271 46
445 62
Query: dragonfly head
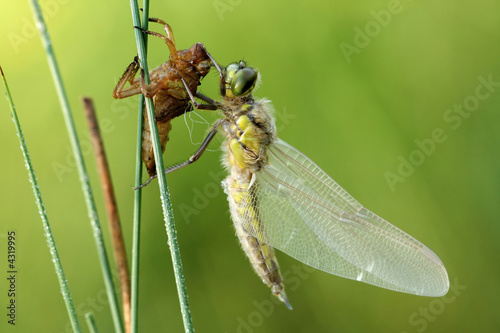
240 79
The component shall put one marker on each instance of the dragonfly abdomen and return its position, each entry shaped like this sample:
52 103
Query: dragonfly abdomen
242 203
263 260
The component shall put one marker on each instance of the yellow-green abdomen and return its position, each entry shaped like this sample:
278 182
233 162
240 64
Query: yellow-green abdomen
244 211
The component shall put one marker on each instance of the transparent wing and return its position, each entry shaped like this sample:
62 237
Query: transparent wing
307 215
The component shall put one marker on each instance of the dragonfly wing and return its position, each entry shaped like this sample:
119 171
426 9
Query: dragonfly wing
307 215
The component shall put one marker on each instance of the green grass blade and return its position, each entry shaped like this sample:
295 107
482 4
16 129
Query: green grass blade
136 237
136 234
63 283
164 194
84 179
89 317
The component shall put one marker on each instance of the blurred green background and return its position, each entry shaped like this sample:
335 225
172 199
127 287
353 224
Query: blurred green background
359 87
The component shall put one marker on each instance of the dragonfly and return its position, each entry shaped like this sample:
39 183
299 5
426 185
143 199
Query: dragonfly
280 199
167 90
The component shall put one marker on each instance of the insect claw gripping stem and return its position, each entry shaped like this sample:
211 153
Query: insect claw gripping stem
144 88
166 27
169 38
134 69
128 76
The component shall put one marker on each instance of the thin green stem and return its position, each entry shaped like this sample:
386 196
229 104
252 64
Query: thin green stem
43 214
91 322
164 194
84 179
134 289
136 240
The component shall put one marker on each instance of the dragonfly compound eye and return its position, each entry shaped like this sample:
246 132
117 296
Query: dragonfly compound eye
243 81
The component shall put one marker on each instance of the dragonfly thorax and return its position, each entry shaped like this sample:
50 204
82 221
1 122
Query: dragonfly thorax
249 130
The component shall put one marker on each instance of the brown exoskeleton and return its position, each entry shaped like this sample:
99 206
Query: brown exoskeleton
166 88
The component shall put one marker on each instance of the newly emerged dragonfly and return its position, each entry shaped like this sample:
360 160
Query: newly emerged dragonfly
281 199
166 88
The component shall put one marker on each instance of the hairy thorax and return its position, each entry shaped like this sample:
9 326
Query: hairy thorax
250 129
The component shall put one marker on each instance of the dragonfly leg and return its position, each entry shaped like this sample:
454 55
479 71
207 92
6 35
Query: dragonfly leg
166 27
200 150
213 105
169 38
205 98
219 69
128 76
137 85
153 88
193 157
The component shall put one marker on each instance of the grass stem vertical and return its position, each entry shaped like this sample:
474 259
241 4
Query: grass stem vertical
136 234
84 179
164 194
89 317
63 283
